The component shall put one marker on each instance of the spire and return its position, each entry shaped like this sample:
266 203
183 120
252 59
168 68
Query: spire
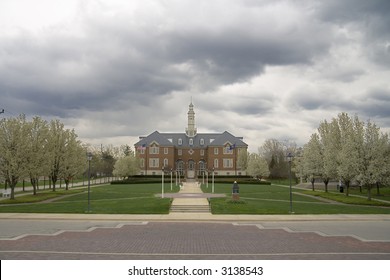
191 128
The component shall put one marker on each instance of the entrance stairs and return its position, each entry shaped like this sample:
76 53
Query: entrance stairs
190 200
190 209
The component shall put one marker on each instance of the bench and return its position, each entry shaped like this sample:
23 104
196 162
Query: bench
7 193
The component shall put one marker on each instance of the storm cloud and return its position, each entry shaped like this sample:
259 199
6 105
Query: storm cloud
115 70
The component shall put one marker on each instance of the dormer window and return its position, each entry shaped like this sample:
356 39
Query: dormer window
180 141
191 142
202 142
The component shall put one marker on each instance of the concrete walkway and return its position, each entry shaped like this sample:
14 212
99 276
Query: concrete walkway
189 200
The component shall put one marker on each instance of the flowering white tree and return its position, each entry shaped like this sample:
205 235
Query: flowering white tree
257 166
74 157
375 155
126 166
36 154
330 141
349 156
13 150
313 159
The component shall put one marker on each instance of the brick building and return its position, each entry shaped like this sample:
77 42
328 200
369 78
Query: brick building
190 153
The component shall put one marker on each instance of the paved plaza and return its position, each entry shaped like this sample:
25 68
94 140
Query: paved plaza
194 235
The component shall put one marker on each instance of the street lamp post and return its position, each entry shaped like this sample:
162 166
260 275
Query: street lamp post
289 159
89 158
212 183
207 179
171 178
162 182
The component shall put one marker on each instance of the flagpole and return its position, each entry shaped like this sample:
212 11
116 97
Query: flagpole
235 160
146 160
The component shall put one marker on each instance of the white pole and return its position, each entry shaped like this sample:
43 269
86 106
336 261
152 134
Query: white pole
162 183
213 182
171 179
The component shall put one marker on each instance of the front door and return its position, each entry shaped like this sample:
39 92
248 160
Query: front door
191 170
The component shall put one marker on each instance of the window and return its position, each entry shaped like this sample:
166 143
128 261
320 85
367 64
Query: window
191 142
202 142
154 150
165 151
202 152
179 152
154 162
216 163
215 151
227 163
165 162
180 141
142 163
227 150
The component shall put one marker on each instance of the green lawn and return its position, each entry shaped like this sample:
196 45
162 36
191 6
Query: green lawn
108 199
263 199
141 199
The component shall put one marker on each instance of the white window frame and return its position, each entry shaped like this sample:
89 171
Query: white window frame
154 162
216 163
165 151
180 152
180 142
202 152
166 162
227 163
216 151
191 142
154 150
202 142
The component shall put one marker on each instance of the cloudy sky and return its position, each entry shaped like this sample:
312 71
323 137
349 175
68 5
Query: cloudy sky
115 70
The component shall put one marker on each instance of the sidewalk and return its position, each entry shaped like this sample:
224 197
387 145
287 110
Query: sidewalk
194 217
28 189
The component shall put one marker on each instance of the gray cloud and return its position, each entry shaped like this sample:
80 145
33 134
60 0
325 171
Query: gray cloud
122 70
370 18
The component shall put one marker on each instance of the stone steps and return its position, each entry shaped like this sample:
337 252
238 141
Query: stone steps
190 209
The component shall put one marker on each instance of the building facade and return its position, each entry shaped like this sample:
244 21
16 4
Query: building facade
190 154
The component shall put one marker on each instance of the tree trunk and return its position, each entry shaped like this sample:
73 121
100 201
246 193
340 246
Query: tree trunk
326 182
377 188
312 184
34 185
66 184
54 180
347 188
12 184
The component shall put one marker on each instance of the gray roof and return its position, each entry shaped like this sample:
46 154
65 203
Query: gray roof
209 140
